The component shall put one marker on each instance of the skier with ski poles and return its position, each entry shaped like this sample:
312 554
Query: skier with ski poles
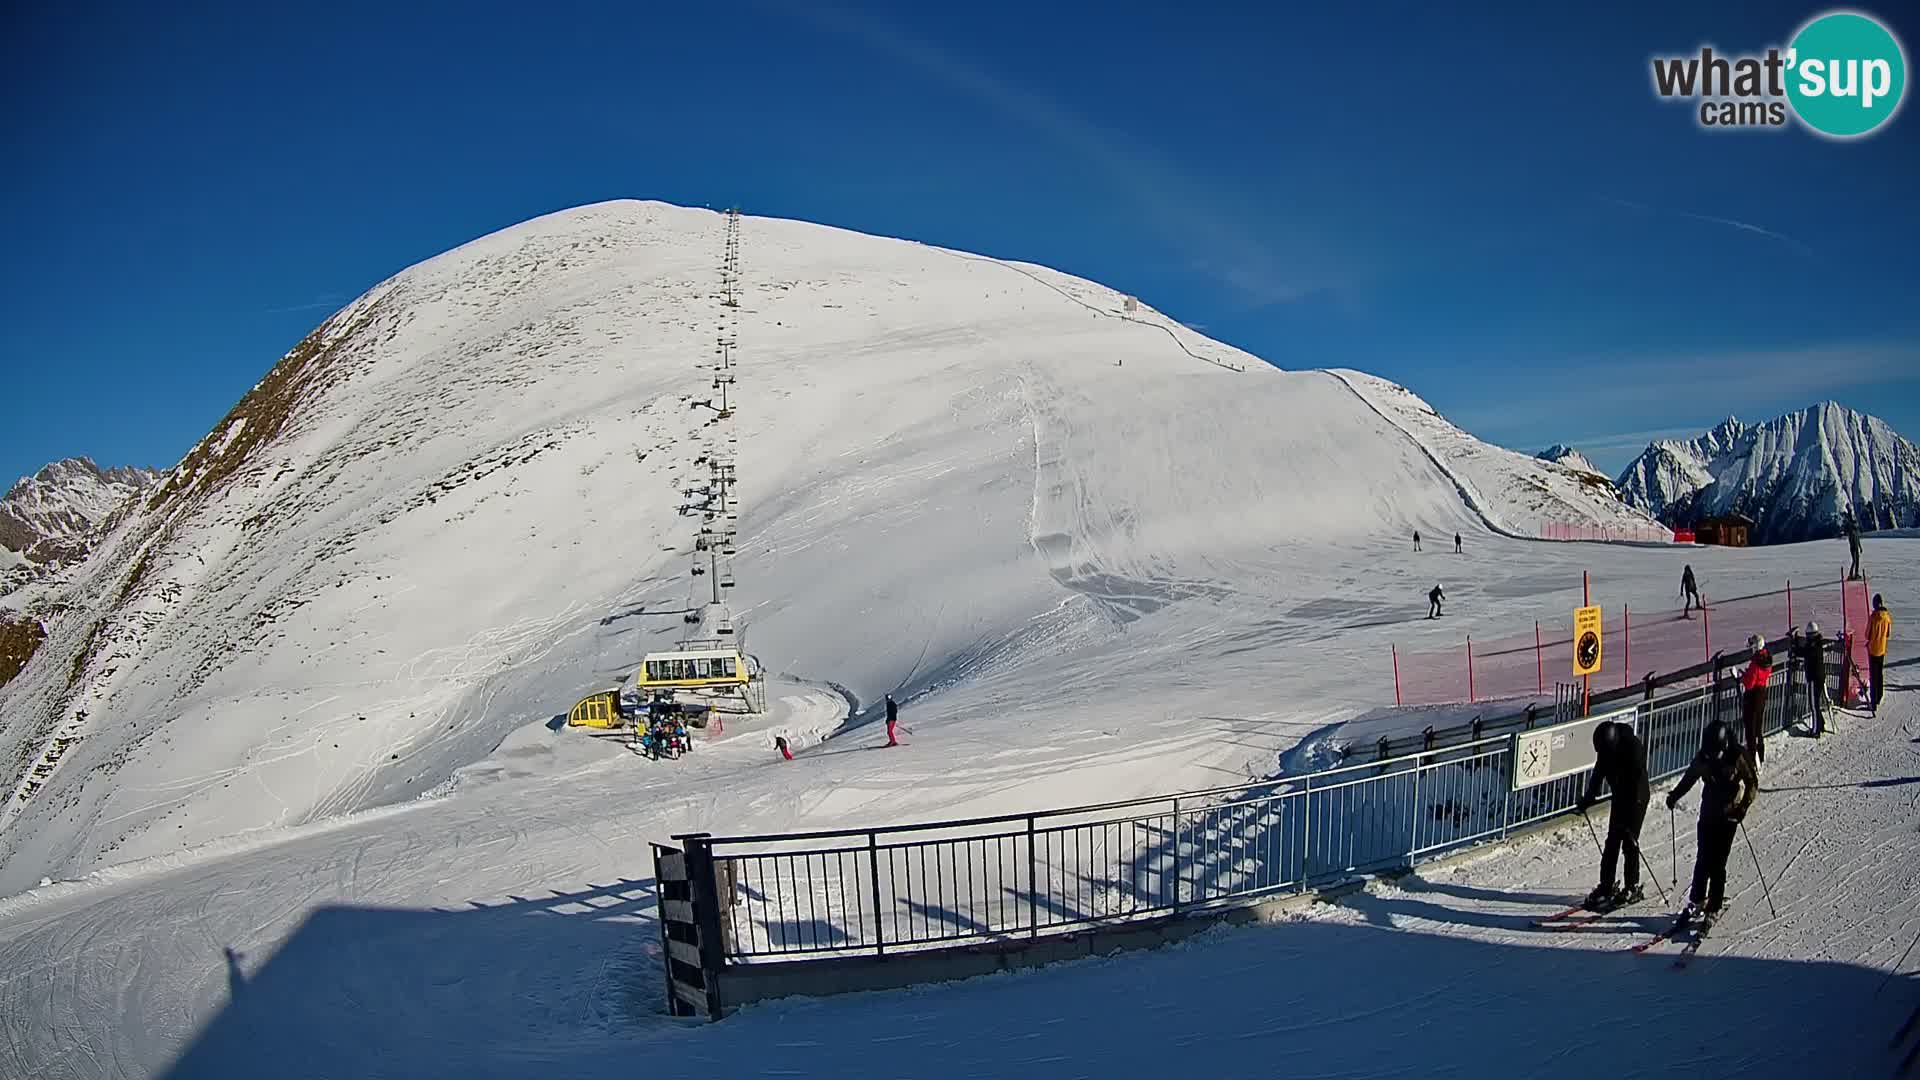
1620 762
1690 589
1729 785
1812 648
1753 700
893 721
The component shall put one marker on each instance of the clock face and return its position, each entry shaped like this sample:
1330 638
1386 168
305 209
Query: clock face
1588 650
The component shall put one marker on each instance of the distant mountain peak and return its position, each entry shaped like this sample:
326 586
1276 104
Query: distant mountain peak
1562 454
47 517
1798 476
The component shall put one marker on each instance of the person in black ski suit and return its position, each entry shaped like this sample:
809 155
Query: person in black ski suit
1813 656
1853 547
1691 590
1433 602
1729 788
1416 539
1456 543
1620 762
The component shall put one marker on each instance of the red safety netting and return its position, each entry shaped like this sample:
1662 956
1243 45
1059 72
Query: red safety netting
1636 643
1584 530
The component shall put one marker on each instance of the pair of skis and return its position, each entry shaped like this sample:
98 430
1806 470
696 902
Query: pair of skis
1578 915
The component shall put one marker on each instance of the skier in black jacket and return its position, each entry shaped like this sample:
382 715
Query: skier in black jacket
1690 589
1620 763
1729 787
1813 656
1433 602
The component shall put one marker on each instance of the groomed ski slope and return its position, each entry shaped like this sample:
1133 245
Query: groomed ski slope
506 929
985 487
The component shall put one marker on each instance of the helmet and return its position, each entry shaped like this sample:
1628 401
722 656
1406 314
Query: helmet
1717 739
1603 736
1812 628
1756 643
1879 601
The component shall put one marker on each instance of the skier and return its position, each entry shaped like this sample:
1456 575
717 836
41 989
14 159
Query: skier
1753 699
1433 602
1416 539
1853 546
1879 629
1813 655
780 744
1691 590
1620 762
1456 543
1730 785
893 720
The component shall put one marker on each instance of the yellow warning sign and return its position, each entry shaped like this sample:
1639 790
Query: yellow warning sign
1586 641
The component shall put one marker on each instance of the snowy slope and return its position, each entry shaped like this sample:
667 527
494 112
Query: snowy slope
1798 476
982 486
1513 493
506 930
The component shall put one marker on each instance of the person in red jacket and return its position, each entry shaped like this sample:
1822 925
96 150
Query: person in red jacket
1753 699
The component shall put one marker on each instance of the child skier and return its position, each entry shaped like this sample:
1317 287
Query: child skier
1753 699
893 721
1691 590
1433 602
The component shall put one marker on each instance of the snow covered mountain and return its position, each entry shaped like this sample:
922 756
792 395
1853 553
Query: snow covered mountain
453 508
1797 476
1561 454
46 517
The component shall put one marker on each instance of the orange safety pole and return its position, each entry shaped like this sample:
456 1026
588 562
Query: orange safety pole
1539 663
1470 697
1396 674
1627 665
1706 628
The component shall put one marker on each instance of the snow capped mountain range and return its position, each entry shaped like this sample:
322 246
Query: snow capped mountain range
46 518
1798 476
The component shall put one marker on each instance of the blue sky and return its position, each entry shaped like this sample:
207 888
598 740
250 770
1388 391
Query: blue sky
1490 208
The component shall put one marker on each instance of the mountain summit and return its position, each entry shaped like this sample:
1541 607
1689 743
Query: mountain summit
1797 476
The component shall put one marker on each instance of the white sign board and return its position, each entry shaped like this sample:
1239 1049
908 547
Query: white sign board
1550 753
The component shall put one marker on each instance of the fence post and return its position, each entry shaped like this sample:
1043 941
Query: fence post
1470 695
1033 887
873 870
1306 834
1177 871
1789 605
1396 674
705 899
1539 663
1413 834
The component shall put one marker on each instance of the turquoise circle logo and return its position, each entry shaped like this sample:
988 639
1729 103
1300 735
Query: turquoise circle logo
1847 74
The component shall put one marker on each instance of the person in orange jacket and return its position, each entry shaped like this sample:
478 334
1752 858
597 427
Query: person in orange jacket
1879 629
1753 699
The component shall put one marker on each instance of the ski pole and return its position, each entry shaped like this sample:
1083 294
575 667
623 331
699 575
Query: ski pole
1593 832
1651 876
1673 847
1897 967
1757 869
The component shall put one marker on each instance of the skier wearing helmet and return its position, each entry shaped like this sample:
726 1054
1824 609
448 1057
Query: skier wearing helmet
1753 699
1729 788
1620 762
1812 649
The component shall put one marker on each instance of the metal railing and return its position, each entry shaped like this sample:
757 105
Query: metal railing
943 884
